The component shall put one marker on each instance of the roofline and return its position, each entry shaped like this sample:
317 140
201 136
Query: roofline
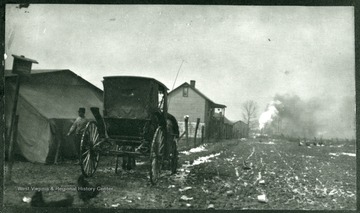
228 121
218 105
239 121
92 85
56 71
138 77
200 93
36 73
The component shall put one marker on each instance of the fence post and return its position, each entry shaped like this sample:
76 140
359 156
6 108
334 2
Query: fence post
196 129
202 134
14 108
186 119
13 138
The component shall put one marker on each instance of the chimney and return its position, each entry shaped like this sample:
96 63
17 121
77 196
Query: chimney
192 83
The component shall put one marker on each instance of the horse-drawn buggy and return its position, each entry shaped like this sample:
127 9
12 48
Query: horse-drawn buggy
135 123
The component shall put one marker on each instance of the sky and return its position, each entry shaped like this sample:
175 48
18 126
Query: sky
234 53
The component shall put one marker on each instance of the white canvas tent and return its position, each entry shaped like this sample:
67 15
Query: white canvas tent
47 106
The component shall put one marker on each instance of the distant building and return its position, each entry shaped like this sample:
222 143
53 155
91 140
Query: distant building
240 129
228 129
187 100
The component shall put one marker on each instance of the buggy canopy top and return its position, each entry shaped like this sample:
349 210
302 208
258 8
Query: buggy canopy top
131 97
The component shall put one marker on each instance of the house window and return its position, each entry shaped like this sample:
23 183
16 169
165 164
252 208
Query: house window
185 91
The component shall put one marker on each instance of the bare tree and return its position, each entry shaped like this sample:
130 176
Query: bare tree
249 109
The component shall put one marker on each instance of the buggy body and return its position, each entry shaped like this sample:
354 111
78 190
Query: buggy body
135 122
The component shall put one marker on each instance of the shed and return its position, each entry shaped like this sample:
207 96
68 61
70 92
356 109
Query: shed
240 129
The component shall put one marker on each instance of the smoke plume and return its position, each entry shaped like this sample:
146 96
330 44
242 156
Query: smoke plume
317 117
270 113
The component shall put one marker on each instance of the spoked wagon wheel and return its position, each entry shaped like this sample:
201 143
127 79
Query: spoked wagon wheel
174 157
89 157
156 155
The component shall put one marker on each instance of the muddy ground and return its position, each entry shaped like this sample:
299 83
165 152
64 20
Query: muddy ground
286 175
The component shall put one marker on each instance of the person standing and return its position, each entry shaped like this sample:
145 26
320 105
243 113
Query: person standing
78 128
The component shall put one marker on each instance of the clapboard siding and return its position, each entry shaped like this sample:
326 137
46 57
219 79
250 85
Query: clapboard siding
193 105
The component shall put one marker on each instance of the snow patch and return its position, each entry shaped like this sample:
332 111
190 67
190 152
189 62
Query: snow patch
185 169
270 142
195 150
337 146
343 153
204 159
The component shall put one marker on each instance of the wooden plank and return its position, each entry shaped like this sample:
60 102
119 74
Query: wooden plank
13 112
182 135
13 139
202 134
196 129
187 130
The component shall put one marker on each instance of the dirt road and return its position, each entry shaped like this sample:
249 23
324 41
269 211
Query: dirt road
285 175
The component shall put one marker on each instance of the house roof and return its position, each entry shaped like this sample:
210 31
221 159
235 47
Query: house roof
8 74
215 105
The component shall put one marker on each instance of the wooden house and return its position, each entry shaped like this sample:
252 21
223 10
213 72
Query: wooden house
187 100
